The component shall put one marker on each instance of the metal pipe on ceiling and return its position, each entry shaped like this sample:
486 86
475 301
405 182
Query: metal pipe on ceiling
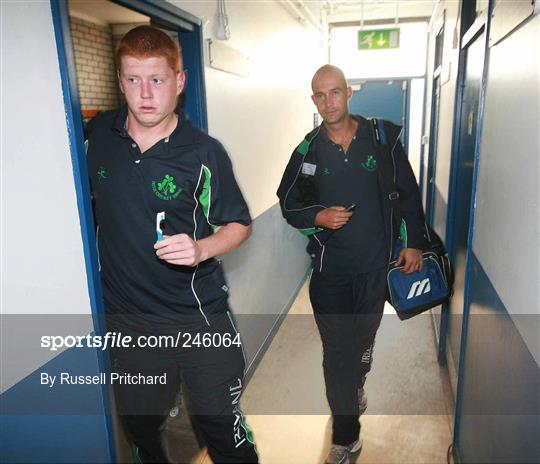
302 14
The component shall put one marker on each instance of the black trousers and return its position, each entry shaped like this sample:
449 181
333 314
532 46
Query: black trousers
212 378
348 310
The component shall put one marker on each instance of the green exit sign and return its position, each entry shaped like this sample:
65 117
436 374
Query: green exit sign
377 39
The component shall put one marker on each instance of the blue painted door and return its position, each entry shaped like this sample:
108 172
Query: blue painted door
460 196
194 95
382 99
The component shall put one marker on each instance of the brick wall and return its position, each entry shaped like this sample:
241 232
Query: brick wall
94 61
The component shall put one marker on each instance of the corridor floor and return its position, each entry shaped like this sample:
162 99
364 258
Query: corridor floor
410 404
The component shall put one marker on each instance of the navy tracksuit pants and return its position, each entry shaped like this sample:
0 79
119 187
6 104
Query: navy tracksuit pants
212 378
348 310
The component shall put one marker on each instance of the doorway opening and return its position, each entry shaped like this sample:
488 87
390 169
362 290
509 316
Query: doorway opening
86 34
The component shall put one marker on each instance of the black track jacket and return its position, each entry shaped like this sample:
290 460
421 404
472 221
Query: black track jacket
300 202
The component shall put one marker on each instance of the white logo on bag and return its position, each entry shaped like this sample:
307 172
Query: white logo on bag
419 288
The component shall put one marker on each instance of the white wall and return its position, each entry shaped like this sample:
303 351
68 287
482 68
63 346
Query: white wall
261 118
414 150
42 257
406 61
507 232
43 270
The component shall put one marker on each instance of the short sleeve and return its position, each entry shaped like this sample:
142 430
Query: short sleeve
221 198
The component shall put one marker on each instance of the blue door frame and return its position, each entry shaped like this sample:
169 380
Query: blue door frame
432 152
467 299
190 32
68 76
479 27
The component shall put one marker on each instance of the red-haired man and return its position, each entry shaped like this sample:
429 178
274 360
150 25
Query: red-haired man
146 162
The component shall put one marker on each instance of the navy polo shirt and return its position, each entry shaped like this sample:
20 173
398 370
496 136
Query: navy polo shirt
189 176
343 179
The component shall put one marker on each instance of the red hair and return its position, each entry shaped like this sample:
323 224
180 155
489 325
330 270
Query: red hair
146 42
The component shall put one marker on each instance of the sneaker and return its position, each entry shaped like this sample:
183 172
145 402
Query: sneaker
339 454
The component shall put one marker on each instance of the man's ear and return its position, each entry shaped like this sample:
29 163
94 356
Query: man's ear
349 93
180 81
119 81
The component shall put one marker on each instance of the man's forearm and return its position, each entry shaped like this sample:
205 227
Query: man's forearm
225 239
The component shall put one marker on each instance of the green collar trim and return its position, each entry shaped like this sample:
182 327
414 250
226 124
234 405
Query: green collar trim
303 148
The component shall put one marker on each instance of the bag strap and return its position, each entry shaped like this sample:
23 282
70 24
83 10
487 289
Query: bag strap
387 174
384 157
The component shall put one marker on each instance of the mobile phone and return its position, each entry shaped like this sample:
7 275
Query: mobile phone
351 207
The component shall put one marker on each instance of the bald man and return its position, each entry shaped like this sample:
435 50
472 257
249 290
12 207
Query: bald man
331 192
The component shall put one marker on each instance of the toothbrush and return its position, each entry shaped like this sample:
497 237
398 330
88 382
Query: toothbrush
159 218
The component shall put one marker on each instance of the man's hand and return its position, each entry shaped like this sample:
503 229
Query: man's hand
182 250
411 258
179 249
334 217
